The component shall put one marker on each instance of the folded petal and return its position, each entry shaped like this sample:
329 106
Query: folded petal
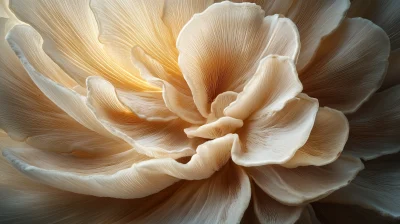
273 138
315 20
153 138
326 141
27 114
377 187
71 40
383 13
227 34
124 175
375 127
176 97
219 104
146 105
50 79
215 129
221 198
27 42
268 210
350 66
304 184
393 73
125 24
273 84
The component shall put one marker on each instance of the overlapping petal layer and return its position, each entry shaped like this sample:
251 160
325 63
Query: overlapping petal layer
229 34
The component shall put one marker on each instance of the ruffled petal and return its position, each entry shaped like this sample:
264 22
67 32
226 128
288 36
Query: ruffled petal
375 127
27 114
155 139
71 40
222 197
270 211
376 187
219 104
175 96
124 175
326 141
227 34
215 129
315 20
350 66
274 83
51 80
383 13
304 184
273 138
146 105
125 24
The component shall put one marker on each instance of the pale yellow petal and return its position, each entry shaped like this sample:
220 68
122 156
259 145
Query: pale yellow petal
71 40
153 138
126 23
27 114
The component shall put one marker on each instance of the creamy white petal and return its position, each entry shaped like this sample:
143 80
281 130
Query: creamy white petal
71 40
375 127
124 175
27 42
393 73
176 94
153 138
177 13
273 138
270 7
326 141
27 114
383 13
126 23
315 20
220 102
377 187
304 184
215 129
227 34
51 80
270 211
222 198
350 66
273 84
146 105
